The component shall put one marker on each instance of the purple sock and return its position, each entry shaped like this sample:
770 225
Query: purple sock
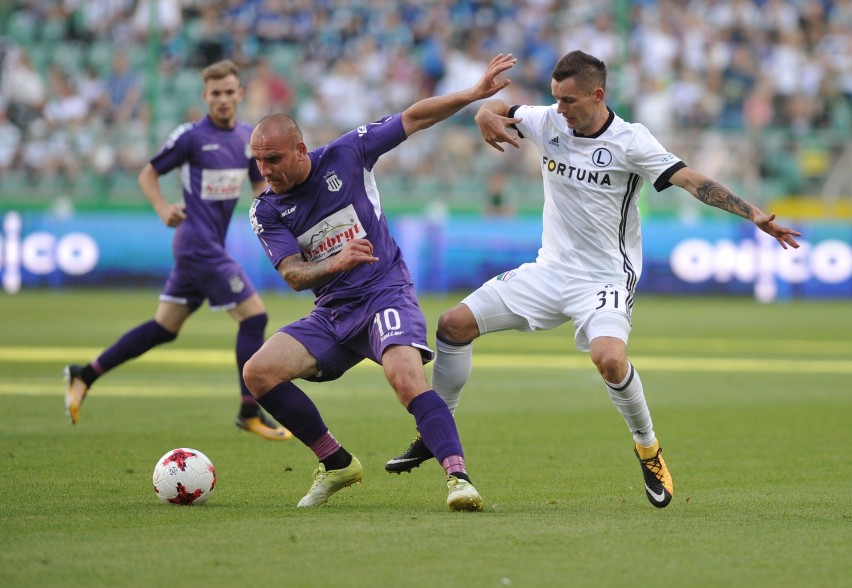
293 409
325 446
132 344
249 340
437 426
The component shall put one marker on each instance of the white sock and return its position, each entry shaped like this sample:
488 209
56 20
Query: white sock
629 399
451 370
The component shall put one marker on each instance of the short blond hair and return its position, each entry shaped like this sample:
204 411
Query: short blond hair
219 70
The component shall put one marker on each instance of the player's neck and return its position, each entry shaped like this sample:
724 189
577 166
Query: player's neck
601 120
224 124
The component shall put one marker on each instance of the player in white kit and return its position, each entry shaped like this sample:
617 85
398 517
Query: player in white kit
593 165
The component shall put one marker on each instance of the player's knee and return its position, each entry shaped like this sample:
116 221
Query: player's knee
250 378
406 387
256 377
457 325
611 365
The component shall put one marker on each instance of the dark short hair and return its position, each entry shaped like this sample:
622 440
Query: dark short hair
219 70
587 70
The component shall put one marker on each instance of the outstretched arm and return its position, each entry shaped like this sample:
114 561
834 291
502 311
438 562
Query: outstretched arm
425 113
715 194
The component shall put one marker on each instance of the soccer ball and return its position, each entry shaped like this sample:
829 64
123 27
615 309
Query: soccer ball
184 476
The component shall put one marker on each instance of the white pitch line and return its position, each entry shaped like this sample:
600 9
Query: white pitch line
569 360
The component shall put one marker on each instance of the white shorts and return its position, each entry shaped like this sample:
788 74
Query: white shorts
534 297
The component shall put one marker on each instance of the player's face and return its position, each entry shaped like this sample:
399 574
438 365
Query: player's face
222 97
282 160
582 109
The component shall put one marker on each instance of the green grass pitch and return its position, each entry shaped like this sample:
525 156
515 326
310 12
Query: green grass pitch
752 404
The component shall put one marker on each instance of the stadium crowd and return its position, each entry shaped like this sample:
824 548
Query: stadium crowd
89 87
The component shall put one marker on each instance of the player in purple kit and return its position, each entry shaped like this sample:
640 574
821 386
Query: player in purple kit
322 227
213 154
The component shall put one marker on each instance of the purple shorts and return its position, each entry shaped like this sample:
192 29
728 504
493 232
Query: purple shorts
222 282
341 337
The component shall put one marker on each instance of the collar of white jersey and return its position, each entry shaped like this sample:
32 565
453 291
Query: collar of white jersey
602 130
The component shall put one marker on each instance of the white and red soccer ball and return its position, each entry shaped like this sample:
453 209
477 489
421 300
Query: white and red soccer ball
184 476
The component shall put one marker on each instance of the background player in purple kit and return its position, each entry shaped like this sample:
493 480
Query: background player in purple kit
322 227
213 154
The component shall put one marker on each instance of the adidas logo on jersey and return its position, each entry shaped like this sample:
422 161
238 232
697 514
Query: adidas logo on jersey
554 141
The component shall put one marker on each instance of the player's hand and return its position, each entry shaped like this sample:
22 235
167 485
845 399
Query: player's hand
494 129
488 85
172 215
353 254
784 235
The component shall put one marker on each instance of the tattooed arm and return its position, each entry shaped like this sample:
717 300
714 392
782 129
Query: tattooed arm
715 194
301 275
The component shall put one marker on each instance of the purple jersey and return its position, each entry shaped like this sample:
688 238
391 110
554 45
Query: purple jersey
214 164
337 203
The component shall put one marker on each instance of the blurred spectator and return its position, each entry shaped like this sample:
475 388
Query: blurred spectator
596 37
132 143
91 20
343 85
164 16
656 107
162 20
497 201
432 40
735 85
273 24
242 47
123 91
401 81
757 106
67 107
266 92
22 87
315 117
210 39
37 154
92 87
689 100
10 143
463 66
240 14
389 30
66 140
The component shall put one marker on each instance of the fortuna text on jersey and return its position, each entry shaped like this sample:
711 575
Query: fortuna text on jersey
576 173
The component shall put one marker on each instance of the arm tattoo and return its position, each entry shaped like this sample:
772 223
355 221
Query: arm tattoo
301 275
719 196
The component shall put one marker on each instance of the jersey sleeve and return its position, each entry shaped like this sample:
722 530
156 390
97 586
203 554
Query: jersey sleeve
532 123
277 241
175 151
650 159
377 138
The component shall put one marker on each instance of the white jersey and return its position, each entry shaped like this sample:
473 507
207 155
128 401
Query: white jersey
591 186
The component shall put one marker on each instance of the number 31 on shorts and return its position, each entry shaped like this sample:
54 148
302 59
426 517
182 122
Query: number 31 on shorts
610 298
